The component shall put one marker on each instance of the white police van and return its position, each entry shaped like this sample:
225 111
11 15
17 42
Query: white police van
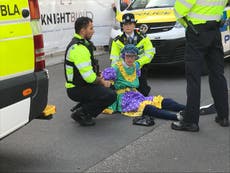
157 20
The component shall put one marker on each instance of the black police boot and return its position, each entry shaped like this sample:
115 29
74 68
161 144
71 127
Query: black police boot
82 118
87 121
77 114
224 122
184 126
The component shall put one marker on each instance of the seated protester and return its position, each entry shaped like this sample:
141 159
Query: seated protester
142 42
131 102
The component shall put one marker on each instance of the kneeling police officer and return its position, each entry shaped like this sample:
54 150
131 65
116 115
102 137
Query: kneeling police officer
83 84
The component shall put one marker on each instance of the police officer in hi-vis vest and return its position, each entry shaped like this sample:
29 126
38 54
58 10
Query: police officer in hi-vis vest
83 83
203 43
142 42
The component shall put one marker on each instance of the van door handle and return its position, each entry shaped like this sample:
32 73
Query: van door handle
25 13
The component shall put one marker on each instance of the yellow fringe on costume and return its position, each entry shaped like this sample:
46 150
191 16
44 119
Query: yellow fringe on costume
132 114
121 91
126 76
157 100
107 111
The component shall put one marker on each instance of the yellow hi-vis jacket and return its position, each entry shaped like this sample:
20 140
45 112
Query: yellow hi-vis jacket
79 70
199 11
143 43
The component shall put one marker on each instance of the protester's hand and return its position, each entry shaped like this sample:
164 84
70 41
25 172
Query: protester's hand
102 81
99 74
105 83
113 5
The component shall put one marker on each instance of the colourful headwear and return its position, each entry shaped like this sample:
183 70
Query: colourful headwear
129 49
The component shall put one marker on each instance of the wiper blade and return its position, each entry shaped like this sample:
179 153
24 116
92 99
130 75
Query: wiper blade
157 6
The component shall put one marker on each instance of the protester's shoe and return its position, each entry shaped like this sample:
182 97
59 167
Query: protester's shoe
180 115
144 120
224 122
183 126
207 109
82 118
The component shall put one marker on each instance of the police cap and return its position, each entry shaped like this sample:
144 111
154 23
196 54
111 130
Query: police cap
128 18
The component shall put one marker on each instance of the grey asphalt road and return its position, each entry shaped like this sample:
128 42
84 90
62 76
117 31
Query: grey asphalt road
114 144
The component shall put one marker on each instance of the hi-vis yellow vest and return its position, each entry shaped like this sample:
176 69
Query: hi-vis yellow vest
200 11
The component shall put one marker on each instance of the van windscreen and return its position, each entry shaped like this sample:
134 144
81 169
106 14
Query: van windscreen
141 4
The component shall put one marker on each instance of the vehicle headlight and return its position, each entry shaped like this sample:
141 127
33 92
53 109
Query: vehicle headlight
178 25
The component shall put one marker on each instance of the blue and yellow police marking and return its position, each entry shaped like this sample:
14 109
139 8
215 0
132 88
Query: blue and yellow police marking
226 26
226 17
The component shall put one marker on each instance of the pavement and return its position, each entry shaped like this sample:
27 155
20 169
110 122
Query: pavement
114 144
164 150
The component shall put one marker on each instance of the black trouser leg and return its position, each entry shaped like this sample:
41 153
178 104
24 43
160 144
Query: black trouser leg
143 87
217 81
194 54
207 46
93 98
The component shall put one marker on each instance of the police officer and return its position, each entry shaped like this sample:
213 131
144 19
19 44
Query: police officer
142 42
83 83
202 19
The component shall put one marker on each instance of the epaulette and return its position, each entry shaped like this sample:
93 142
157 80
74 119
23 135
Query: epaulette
118 37
141 34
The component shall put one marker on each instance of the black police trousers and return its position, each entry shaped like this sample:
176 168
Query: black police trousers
206 46
144 88
93 98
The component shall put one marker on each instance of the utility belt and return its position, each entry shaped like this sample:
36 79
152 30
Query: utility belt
208 26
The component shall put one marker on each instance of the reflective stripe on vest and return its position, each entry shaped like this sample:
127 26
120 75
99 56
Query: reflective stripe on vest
200 11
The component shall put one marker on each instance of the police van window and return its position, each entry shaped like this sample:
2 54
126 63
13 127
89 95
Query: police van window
138 4
160 3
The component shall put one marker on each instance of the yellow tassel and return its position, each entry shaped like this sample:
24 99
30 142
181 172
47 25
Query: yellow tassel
107 111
